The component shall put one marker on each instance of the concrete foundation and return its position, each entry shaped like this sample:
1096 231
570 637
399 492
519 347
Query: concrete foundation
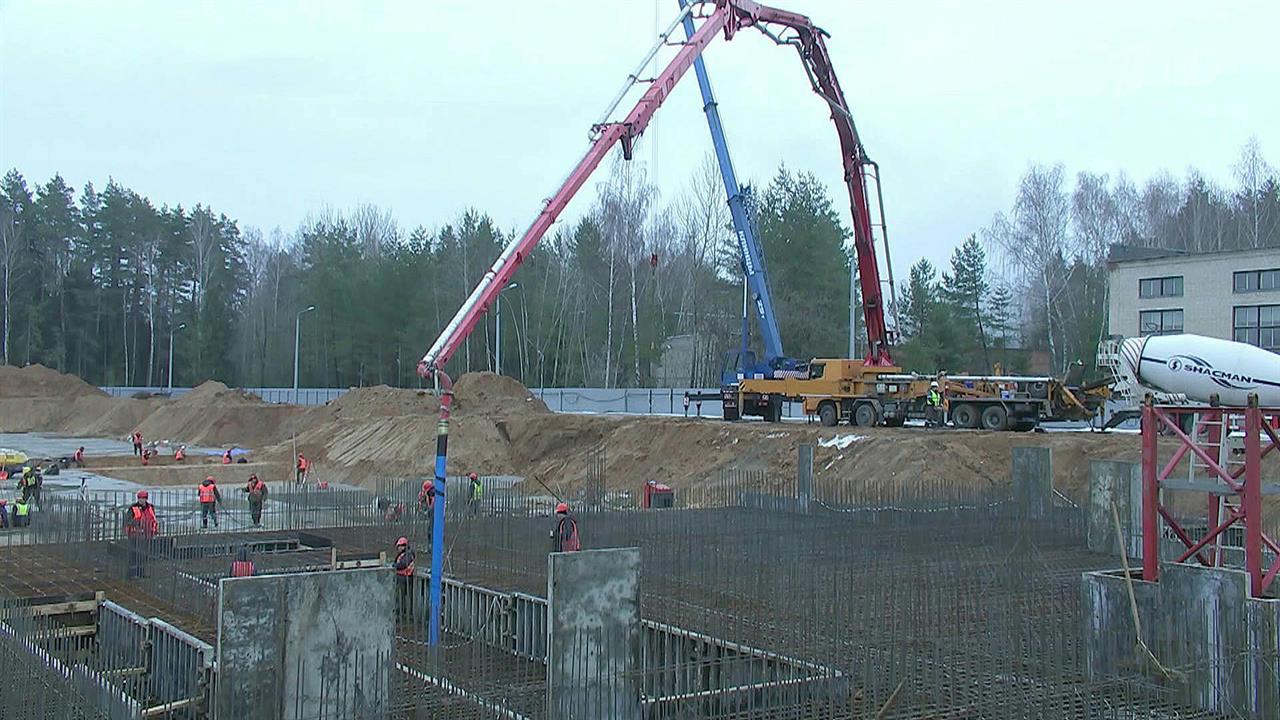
1032 473
305 645
1219 645
1113 481
593 634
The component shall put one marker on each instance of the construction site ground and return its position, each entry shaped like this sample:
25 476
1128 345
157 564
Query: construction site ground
499 427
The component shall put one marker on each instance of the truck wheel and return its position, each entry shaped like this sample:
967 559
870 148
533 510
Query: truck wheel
965 416
731 414
994 417
865 415
827 414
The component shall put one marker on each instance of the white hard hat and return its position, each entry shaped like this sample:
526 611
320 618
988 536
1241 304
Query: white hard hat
933 384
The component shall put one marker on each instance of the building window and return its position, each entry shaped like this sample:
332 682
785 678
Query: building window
1160 287
1255 280
1160 322
1257 325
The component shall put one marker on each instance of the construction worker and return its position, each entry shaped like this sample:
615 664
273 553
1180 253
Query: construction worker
933 406
137 442
226 456
140 529
427 497
303 467
4 514
404 566
209 500
21 513
564 537
24 482
477 493
257 491
242 566
180 455
146 456
78 456
36 484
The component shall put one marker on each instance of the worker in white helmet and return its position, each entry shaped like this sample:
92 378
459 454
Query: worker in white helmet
933 406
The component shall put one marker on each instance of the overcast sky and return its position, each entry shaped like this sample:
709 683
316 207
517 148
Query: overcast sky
269 111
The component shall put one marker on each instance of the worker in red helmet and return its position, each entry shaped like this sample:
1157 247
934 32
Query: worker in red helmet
210 498
564 538
302 467
140 529
404 565
427 497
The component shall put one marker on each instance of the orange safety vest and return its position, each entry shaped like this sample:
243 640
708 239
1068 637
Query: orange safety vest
567 532
242 568
302 464
179 455
78 456
206 493
226 458
144 522
407 570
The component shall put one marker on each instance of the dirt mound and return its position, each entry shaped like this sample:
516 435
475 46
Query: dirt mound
383 401
40 381
214 392
490 394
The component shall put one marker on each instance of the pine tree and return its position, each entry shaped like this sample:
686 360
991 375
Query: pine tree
964 289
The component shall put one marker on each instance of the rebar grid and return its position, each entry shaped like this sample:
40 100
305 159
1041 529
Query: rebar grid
943 599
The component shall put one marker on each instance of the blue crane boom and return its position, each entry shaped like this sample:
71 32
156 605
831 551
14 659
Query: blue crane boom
752 257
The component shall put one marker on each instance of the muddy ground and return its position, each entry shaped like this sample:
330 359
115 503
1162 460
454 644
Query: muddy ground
500 428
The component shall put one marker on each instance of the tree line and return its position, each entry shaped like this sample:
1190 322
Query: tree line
636 292
1035 278
98 282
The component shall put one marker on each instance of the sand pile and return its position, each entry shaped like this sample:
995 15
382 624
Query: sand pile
490 394
213 414
40 381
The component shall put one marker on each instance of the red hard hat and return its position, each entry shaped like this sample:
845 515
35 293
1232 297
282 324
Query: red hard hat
562 508
142 495
472 476
426 484
402 541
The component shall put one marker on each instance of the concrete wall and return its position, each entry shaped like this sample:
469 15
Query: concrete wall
1208 295
1113 481
305 645
804 476
1219 645
1032 474
593 628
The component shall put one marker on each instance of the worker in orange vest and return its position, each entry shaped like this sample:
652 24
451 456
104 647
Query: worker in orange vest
404 565
78 456
303 466
257 491
564 538
137 442
180 455
226 456
146 456
209 500
427 497
242 566
140 529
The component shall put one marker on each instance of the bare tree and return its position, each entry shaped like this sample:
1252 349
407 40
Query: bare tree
12 227
1253 172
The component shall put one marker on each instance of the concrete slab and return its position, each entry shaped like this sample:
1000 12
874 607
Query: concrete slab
306 645
593 619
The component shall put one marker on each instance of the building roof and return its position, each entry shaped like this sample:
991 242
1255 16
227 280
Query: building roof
1120 254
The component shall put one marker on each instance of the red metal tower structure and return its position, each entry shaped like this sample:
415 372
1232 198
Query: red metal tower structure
1233 484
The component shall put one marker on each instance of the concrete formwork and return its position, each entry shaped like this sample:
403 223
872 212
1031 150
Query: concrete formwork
1032 473
305 645
1119 483
593 634
1216 647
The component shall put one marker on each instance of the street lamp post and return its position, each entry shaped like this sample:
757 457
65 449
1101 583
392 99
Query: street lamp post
497 356
297 326
172 329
